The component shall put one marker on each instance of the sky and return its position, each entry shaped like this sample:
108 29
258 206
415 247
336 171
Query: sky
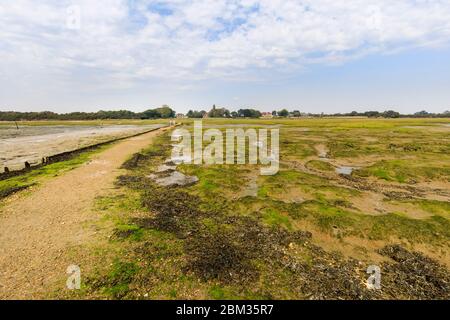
313 55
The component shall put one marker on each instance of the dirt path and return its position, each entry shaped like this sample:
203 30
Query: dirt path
38 231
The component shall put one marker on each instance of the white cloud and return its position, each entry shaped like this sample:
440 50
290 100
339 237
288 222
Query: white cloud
200 39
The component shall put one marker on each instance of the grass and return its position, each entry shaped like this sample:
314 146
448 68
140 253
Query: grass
405 171
274 218
117 282
319 165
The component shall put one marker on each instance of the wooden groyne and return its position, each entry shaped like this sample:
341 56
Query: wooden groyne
67 155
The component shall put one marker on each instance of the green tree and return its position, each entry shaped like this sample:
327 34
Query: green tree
296 113
391 114
283 113
166 112
219 112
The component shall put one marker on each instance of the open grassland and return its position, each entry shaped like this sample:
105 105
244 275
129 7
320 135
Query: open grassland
306 232
349 193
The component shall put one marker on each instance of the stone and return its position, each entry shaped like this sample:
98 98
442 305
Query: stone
174 178
165 168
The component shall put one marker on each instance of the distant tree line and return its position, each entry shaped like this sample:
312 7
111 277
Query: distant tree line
216 112
389 114
158 113
196 114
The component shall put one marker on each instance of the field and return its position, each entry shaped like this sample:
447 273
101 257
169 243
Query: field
350 193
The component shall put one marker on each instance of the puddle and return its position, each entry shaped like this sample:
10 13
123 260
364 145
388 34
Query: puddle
167 176
166 168
174 178
251 189
180 160
347 171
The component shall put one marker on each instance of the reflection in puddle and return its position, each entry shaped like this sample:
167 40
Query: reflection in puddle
345 170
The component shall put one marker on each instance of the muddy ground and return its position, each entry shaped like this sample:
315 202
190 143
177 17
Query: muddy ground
200 241
32 143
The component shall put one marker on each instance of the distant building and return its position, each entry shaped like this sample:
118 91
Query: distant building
181 116
266 115
205 115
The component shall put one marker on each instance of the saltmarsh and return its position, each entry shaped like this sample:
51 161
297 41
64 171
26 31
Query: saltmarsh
306 232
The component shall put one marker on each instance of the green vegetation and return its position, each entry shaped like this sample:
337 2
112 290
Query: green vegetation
320 165
405 171
298 234
158 113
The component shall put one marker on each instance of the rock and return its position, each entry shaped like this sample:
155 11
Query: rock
174 178
165 168
180 159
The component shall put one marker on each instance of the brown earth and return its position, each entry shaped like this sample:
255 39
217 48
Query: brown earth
40 231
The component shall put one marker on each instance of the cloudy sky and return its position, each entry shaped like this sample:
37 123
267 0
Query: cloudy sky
312 55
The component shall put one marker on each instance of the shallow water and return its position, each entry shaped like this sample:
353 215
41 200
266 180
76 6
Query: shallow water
32 143
251 190
345 170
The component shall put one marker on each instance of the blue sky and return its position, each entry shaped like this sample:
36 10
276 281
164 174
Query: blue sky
316 56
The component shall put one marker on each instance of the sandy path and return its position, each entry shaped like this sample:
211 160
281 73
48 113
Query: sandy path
38 231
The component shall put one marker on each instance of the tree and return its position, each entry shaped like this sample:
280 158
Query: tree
249 113
274 113
372 114
421 114
196 114
283 113
166 112
296 114
151 114
162 112
219 112
391 114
